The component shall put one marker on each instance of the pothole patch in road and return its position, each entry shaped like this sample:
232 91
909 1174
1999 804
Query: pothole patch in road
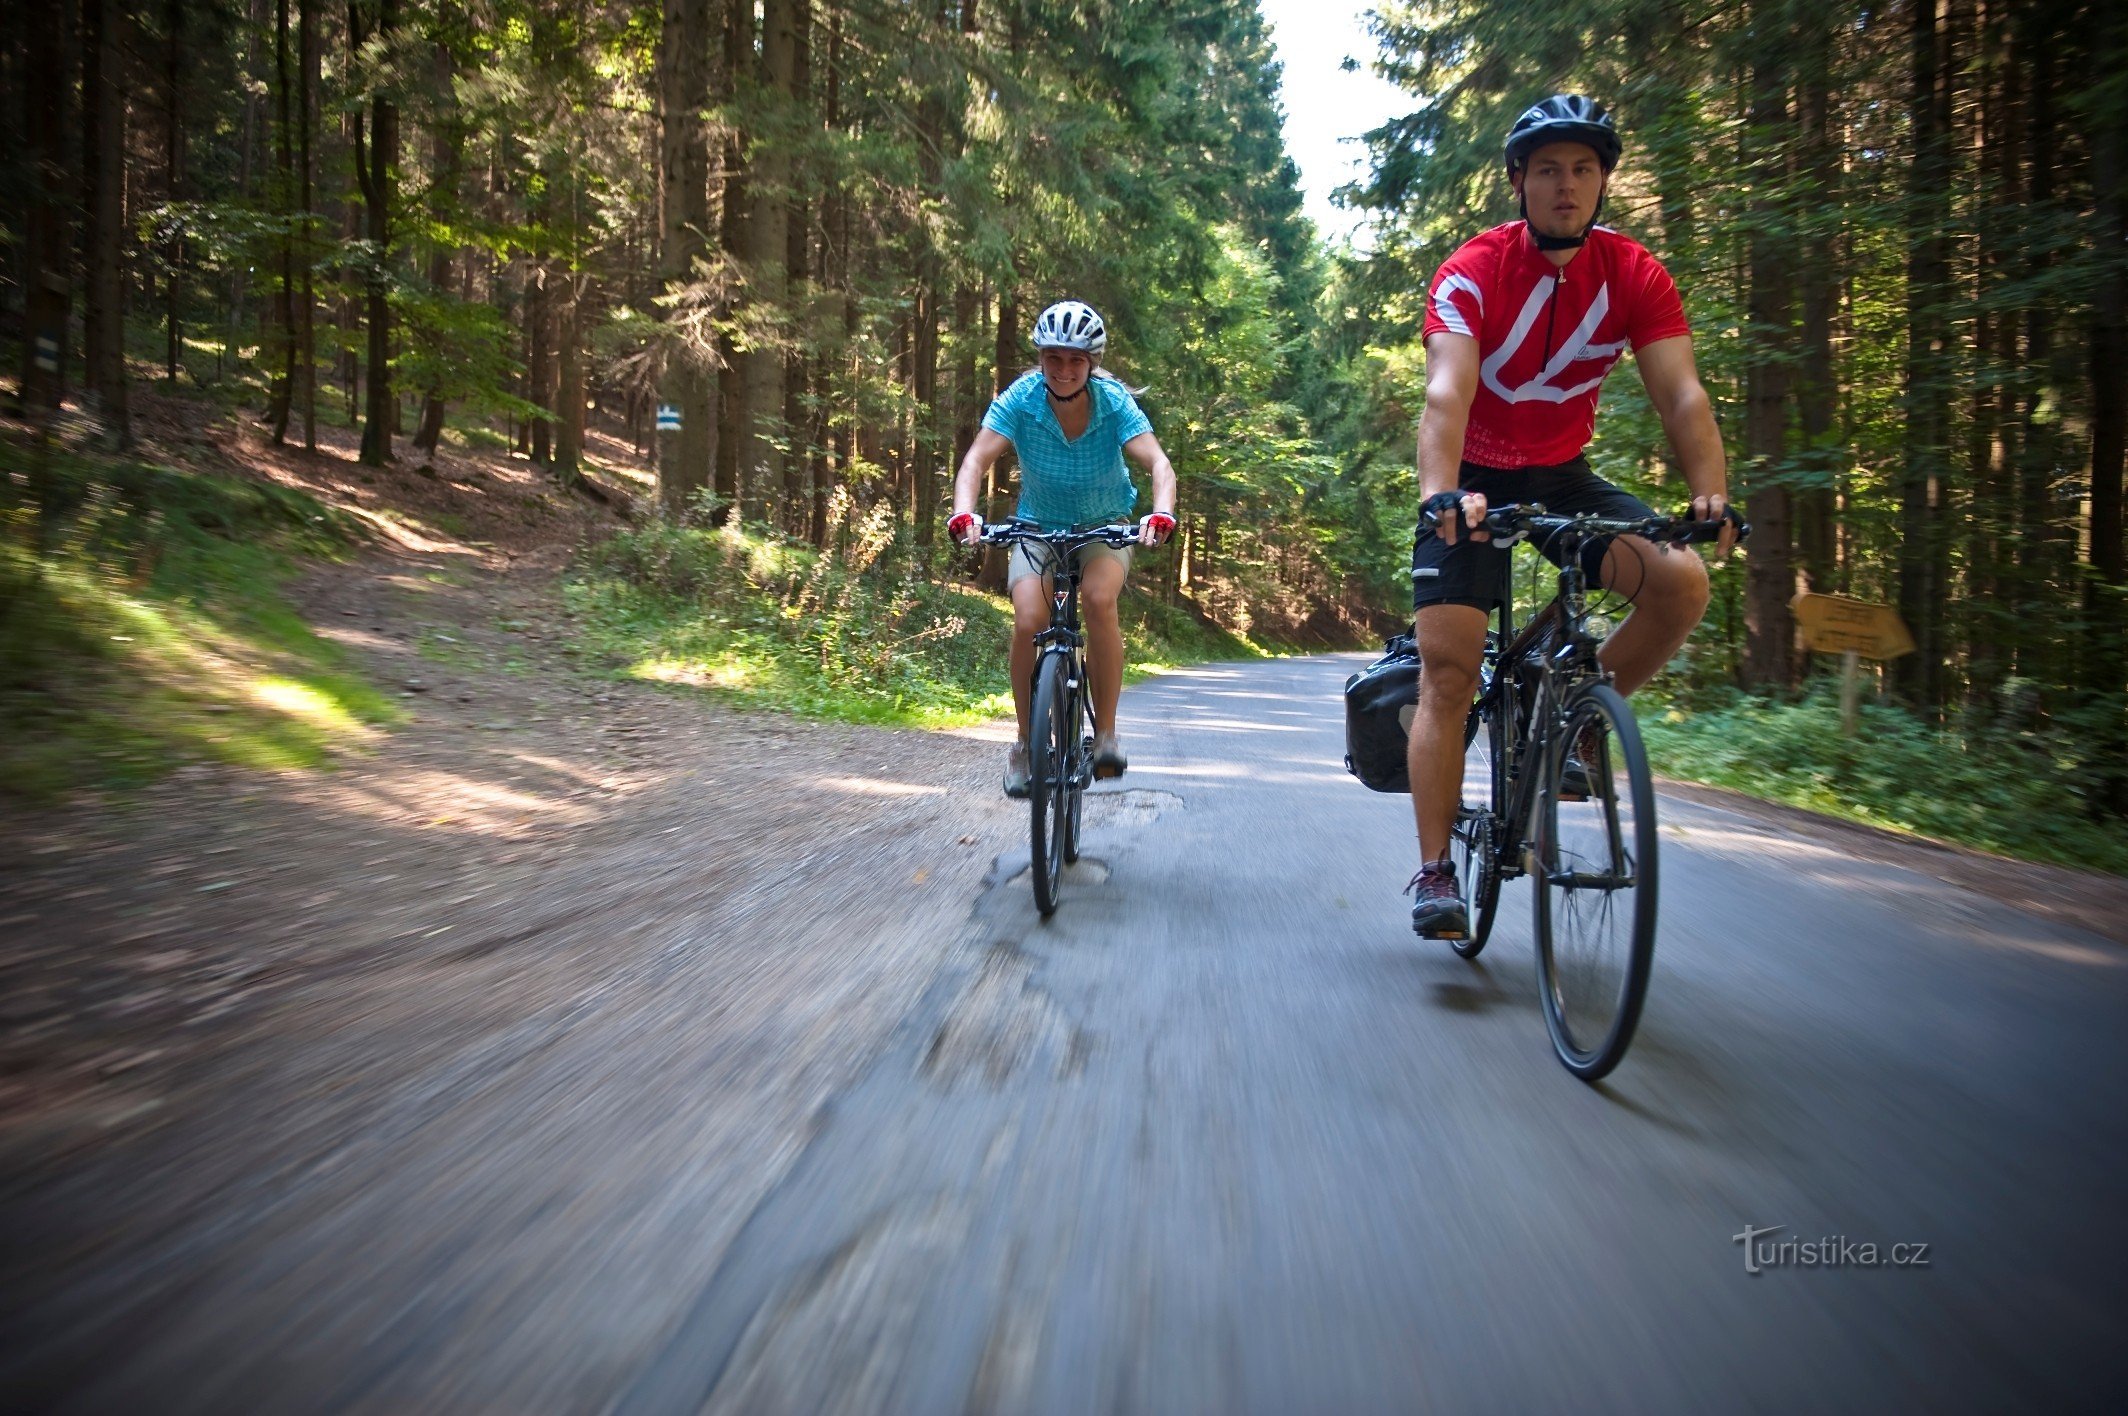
1000 1024
1087 871
1136 806
835 1339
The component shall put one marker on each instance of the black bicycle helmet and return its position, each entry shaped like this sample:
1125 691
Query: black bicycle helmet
1563 118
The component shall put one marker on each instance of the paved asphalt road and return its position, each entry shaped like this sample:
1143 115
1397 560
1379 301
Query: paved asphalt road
1223 1137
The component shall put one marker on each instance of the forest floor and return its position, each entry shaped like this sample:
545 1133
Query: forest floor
527 802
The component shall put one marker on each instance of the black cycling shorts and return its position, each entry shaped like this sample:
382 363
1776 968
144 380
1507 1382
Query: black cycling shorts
1480 573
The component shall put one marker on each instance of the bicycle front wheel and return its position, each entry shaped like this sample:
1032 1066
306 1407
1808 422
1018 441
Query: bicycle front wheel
1595 883
1049 779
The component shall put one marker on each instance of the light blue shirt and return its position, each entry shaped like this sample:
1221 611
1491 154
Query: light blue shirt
1070 481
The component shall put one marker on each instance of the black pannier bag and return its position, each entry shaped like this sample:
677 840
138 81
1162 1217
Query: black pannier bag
1379 703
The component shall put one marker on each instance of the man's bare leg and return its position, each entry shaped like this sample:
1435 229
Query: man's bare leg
1669 592
1451 641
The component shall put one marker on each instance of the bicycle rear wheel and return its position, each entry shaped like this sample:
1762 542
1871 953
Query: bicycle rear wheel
1049 779
1595 884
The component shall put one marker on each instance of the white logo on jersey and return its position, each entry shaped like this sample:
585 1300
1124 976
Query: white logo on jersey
1577 349
1444 306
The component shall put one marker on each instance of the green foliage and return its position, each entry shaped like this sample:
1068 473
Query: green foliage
851 633
2020 793
145 626
459 351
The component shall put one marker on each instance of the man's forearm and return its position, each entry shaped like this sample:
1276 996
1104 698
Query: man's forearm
1441 449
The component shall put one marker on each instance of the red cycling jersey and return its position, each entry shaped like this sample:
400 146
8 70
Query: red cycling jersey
1547 336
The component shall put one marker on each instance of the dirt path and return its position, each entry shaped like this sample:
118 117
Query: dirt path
234 983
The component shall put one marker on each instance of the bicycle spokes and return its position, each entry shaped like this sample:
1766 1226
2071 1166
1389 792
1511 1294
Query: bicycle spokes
1595 883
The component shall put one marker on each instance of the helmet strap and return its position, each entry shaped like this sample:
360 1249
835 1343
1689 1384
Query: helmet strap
1067 397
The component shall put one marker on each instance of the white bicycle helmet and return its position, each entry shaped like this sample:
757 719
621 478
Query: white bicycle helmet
1071 324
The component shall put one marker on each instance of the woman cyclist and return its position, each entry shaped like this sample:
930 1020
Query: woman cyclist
1071 422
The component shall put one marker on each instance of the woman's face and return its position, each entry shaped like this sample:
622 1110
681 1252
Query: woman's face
1066 370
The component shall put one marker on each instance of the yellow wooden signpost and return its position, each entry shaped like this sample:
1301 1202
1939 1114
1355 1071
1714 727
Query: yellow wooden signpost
1855 630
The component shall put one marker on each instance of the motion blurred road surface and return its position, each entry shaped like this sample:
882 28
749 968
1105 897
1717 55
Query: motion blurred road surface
1220 1137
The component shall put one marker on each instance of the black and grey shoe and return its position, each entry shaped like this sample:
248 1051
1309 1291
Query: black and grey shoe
1437 907
1016 771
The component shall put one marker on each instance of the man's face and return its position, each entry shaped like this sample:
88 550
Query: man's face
1066 370
1561 183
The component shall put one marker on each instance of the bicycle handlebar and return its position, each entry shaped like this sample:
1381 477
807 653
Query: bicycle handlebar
1006 533
1515 519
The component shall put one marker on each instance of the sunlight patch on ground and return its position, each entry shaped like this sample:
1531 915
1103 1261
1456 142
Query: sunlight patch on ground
729 672
875 786
298 700
431 798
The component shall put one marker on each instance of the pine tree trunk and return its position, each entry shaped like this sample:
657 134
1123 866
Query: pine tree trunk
306 329
247 152
284 199
1926 455
765 251
174 181
569 381
445 137
376 164
45 255
2105 679
1817 392
104 97
1770 571
539 361
687 458
735 425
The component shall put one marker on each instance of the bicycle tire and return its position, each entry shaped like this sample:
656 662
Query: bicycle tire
1080 769
1474 841
1587 855
1049 780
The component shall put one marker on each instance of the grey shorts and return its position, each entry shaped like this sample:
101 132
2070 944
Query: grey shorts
1034 558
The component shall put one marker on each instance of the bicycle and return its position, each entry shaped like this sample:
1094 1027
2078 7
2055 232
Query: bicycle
1571 802
1060 740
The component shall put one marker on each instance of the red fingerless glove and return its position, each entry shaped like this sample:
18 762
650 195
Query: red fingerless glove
1163 525
960 522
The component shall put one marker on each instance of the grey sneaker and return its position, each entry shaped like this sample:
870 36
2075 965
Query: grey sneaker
1016 771
1437 907
1109 760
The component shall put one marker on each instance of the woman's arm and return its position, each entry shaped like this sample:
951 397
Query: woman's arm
1145 450
988 447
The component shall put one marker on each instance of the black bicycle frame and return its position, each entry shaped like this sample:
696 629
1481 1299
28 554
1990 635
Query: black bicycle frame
1552 652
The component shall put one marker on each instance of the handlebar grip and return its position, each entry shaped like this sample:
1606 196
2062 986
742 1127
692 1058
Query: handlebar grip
1691 531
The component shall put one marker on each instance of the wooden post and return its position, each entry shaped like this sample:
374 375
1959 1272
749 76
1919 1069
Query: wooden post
1850 691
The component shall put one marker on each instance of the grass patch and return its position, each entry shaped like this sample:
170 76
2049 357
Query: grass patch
851 636
146 627
2020 794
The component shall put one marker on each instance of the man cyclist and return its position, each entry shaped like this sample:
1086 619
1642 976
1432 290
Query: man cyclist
1522 325
1071 422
